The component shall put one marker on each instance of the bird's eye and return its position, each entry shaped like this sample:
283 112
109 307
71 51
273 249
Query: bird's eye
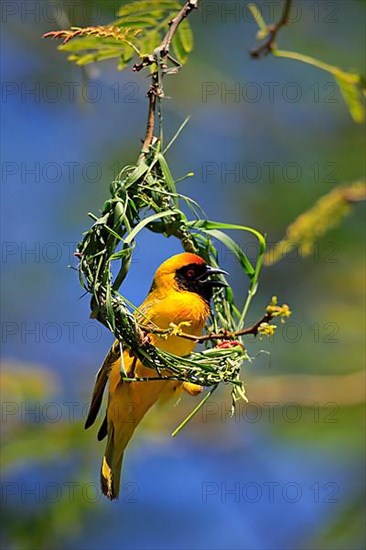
190 273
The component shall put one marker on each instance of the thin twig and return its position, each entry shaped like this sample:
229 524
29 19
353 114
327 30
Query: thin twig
155 89
268 45
164 47
174 24
224 335
149 136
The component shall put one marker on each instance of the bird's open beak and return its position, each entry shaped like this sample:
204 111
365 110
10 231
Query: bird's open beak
206 277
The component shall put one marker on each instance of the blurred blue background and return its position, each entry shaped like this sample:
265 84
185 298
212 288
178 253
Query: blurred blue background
287 471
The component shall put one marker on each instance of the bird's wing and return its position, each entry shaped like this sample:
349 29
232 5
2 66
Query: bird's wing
100 383
103 374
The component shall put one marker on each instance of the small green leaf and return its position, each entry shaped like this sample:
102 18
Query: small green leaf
168 177
143 223
351 84
178 51
206 224
186 36
91 49
121 254
353 99
142 23
136 174
234 248
148 42
183 41
156 8
263 27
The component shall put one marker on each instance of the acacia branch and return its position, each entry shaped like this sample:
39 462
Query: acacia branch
164 47
155 89
149 136
268 45
174 24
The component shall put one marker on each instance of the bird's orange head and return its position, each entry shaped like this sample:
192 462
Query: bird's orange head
187 272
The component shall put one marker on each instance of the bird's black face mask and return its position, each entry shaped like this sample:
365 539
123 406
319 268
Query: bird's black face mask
197 278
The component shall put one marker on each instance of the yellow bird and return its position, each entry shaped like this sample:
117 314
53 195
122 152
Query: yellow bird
180 293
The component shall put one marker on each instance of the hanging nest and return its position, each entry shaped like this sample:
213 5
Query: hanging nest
144 196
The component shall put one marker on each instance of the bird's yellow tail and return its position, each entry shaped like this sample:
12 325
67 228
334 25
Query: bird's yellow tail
111 469
137 398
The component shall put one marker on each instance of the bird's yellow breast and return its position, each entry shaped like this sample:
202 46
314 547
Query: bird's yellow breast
177 307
